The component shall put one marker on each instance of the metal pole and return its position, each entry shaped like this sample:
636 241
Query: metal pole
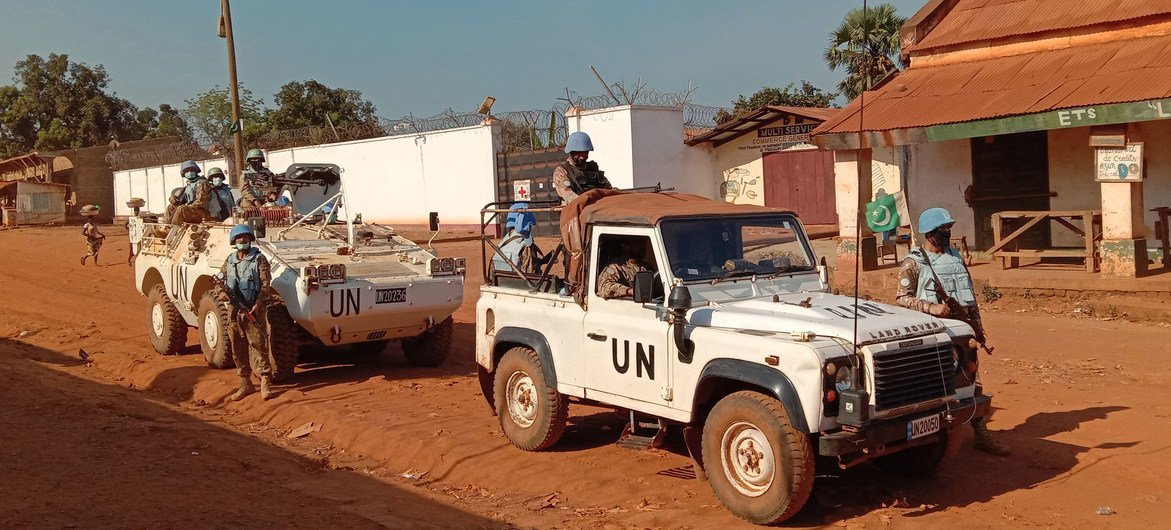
238 140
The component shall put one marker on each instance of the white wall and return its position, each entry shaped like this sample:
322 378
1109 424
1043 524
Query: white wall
937 174
642 146
393 180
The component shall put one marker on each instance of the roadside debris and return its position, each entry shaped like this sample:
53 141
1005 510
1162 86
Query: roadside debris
304 430
1105 510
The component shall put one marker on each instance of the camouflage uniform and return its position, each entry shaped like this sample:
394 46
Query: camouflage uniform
906 295
568 179
257 184
251 196
249 349
617 279
194 211
93 241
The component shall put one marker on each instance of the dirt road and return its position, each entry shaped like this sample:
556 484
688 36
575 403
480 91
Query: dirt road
1081 401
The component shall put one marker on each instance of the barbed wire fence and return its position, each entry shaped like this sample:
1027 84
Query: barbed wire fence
155 155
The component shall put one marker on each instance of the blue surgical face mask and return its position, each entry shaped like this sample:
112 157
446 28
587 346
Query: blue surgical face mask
243 245
191 175
216 181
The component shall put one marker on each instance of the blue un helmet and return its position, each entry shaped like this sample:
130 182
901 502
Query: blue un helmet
578 141
240 230
188 166
933 218
522 222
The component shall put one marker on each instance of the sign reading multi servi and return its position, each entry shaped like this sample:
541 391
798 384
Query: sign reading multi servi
769 139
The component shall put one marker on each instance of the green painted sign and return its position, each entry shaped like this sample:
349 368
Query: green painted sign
1155 109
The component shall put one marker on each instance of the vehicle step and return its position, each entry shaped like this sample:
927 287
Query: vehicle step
642 432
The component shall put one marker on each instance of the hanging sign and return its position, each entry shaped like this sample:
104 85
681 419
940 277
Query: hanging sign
1119 164
520 190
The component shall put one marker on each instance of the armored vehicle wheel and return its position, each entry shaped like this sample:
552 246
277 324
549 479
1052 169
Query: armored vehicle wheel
370 348
759 466
283 344
214 339
532 413
168 331
430 348
921 461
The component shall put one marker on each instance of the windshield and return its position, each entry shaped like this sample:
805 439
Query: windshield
712 248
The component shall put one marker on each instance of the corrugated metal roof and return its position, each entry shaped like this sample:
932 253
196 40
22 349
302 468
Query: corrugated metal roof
1112 72
982 20
732 129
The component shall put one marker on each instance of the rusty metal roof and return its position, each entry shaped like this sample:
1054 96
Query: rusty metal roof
983 20
735 128
1111 72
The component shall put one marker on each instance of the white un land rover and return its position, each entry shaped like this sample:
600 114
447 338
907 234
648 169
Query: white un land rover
731 333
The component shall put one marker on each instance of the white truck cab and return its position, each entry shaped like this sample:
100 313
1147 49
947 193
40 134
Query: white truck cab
730 331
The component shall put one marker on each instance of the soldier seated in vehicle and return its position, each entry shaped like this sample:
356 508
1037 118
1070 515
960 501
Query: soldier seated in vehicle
191 205
518 246
617 278
219 206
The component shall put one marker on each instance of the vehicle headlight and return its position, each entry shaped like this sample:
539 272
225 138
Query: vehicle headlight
837 375
440 266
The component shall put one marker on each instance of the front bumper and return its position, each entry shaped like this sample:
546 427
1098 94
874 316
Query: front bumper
890 435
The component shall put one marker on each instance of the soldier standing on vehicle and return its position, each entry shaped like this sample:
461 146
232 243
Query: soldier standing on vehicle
255 170
617 279
246 288
517 245
219 207
934 268
93 240
190 206
577 174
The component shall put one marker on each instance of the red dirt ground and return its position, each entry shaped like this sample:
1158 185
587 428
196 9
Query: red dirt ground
110 442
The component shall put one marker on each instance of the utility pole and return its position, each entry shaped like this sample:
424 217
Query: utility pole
225 32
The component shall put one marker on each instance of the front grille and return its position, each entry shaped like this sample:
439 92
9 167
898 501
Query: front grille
913 376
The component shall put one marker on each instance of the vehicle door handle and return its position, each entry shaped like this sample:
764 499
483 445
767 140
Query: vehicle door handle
600 337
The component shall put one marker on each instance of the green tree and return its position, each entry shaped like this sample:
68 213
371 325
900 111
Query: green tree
307 104
59 104
210 117
166 121
790 96
867 46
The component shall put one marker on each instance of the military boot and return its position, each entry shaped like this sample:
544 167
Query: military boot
265 389
245 388
986 442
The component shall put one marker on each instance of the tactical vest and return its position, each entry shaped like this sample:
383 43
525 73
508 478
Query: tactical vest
190 190
219 205
949 266
510 247
243 275
582 180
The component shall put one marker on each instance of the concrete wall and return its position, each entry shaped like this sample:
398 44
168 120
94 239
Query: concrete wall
642 146
937 174
395 180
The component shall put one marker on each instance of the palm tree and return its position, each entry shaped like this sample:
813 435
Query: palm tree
867 45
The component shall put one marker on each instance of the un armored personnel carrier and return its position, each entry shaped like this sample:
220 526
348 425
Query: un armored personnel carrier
341 283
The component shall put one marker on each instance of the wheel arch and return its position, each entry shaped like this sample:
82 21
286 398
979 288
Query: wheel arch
150 279
510 337
721 377
202 285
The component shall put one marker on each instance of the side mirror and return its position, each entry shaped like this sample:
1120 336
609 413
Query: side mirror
823 272
644 286
434 221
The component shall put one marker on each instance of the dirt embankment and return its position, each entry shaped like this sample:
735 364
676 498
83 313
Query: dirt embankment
1078 398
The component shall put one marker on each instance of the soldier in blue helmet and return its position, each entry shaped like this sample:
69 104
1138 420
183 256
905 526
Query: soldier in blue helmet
247 288
517 245
934 279
577 174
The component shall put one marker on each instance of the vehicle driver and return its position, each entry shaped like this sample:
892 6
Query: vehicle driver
219 206
517 245
617 279
190 206
577 174
924 268
247 282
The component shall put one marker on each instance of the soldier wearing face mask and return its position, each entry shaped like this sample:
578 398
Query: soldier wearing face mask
247 279
934 269
219 206
578 174
190 205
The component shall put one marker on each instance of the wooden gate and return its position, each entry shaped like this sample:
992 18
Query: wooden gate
802 181
531 172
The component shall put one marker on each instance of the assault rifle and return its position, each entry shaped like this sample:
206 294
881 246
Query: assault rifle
956 310
239 304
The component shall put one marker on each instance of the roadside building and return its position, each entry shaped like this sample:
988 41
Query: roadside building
27 202
765 158
1043 125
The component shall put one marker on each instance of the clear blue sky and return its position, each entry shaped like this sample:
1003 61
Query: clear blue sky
422 57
